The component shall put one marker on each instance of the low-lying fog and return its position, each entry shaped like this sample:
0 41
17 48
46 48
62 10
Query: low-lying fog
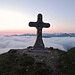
20 42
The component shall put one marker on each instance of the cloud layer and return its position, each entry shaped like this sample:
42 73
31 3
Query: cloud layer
20 42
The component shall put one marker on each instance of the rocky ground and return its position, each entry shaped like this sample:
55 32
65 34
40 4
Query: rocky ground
37 62
49 56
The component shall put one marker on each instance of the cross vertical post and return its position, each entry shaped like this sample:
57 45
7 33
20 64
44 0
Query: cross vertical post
39 45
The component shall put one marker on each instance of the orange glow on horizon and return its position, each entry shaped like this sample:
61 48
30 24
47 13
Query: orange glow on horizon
29 31
33 31
10 32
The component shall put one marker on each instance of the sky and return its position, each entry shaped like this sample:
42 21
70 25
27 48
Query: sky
15 15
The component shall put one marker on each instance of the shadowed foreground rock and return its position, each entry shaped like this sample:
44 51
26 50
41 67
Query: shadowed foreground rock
24 62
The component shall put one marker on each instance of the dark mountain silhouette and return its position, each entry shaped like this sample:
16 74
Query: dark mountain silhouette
50 35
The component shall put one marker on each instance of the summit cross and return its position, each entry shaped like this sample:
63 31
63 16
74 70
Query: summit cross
39 45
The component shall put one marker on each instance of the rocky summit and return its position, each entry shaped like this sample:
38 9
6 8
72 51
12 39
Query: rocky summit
27 62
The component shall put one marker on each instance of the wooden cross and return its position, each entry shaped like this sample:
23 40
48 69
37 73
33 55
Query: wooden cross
39 45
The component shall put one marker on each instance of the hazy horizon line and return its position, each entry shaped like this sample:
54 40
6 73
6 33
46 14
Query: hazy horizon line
36 33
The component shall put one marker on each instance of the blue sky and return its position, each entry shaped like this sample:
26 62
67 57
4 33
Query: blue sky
16 14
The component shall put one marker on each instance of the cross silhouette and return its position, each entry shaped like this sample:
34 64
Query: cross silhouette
39 25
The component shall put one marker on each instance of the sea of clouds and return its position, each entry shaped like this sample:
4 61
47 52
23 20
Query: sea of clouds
8 42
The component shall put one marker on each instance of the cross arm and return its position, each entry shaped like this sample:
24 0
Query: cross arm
46 25
32 24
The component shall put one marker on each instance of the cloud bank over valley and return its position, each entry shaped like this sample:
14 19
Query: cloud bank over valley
8 42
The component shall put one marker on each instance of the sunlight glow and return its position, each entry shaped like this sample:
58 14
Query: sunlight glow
13 20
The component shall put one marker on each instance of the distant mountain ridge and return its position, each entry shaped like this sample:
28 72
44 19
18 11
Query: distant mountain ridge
50 35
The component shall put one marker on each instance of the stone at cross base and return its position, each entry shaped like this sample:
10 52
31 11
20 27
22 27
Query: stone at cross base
39 45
